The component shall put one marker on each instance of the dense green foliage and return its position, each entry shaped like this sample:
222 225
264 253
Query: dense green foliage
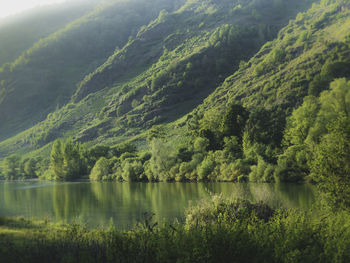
71 161
232 148
14 168
67 160
218 231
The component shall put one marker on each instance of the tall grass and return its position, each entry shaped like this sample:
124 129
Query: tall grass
218 230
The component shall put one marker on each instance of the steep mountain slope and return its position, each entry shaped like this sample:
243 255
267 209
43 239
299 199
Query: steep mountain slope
165 71
306 56
192 62
45 76
19 32
261 141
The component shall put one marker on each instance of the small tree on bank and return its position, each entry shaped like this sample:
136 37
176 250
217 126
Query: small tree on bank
67 161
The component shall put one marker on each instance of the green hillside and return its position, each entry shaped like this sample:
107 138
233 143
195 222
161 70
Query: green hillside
44 77
150 92
305 57
164 71
206 91
185 66
283 106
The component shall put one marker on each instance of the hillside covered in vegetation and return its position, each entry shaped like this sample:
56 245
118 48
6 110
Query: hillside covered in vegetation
45 76
162 71
269 113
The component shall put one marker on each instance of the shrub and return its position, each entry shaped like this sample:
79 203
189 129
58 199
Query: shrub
100 170
209 212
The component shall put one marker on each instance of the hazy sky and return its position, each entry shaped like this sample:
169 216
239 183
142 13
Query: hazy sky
10 7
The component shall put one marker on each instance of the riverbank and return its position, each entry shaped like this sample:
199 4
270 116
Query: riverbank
214 231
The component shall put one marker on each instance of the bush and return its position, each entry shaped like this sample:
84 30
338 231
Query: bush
219 208
291 165
229 172
205 168
101 169
257 171
132 170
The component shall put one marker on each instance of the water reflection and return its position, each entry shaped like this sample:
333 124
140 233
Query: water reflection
96 203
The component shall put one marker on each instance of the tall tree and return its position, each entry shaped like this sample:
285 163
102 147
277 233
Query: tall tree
101 169
330 165
56 160
68 160
29 168
163 158
11 167
234 120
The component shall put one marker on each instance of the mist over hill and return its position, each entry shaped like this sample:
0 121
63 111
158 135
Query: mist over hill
45 75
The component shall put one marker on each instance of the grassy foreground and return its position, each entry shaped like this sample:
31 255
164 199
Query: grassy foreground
215 231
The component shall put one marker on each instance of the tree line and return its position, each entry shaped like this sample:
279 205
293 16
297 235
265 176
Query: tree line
257 145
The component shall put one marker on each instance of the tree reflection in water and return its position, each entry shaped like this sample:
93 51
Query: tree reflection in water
96 203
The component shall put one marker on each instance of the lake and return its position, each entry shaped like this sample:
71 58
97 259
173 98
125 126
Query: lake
96 203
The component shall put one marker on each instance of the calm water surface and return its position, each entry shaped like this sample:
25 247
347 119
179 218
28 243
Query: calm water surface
125 203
